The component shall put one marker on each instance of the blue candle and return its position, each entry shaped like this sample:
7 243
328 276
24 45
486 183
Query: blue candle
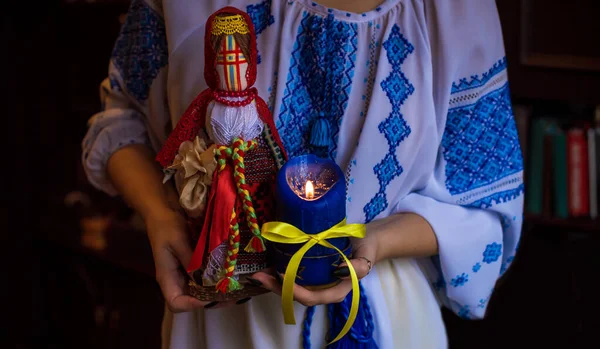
311 195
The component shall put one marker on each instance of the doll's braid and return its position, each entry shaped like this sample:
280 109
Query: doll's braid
229 283
240 147
236 153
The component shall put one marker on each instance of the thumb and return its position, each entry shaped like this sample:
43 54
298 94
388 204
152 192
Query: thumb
362 267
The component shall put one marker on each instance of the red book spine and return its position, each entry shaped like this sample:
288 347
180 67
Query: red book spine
577 160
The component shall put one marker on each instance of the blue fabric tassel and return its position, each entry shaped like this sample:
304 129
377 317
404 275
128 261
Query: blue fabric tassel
319 134
361 333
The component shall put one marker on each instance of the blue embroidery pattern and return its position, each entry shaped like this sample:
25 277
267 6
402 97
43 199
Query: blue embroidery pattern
372 64
492 252
440 284
261 17
319 81
464 312
499 197
476 81
460 280
481 143
349 178
398 89
476 267
141 49
505 266
482 303
505 223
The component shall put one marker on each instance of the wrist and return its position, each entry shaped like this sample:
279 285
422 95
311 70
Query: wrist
401 235
162 213
164 206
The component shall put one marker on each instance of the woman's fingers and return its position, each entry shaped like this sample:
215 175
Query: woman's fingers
172 282
304 296
362 267
268 281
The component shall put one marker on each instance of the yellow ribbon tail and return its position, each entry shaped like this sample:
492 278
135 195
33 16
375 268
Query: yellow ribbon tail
288 234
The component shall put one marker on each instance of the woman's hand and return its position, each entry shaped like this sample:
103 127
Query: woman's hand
172 252
136 176
400 235
363 258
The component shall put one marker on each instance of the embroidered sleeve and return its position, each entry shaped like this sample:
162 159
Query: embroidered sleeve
135 79
474 200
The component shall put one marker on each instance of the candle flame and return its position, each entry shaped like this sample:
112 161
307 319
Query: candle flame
309 190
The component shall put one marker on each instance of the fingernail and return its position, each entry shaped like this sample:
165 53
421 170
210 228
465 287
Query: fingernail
279 279
242 301
211 304
341 272
254 282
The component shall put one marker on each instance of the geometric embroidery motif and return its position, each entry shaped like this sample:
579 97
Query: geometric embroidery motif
498 197
318 83
141 49
261 17
476 81
492 252
480 143
394 127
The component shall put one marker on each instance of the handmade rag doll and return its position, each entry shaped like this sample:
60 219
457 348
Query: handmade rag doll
236 170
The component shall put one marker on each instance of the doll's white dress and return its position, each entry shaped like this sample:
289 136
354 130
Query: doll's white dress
416 96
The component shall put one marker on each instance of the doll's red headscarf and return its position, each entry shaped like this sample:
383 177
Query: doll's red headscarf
194 118
210 67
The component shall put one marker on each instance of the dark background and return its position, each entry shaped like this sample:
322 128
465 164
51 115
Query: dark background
65 294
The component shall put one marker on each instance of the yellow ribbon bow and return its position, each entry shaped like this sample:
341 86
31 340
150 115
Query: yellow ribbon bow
288 234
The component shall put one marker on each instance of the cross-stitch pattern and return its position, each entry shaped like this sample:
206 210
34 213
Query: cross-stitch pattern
481 144
394 128
141 50
319 81
261 17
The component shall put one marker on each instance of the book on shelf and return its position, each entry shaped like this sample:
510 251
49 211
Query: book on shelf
562 163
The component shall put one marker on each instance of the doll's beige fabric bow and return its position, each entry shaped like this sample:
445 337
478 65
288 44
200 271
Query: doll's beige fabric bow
193 168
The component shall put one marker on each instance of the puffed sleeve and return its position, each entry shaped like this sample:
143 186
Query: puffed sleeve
133 95
474 198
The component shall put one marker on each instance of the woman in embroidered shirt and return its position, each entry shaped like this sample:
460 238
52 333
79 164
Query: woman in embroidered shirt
415 96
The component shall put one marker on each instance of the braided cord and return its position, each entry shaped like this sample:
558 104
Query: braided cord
239 150
229 283
308 318
236 153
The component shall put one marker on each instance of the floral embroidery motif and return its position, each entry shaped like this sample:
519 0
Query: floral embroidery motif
318 83
460 280
482 303
394 127
492 252
464 312
476 267
261 17
141 51
480 142
440 284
